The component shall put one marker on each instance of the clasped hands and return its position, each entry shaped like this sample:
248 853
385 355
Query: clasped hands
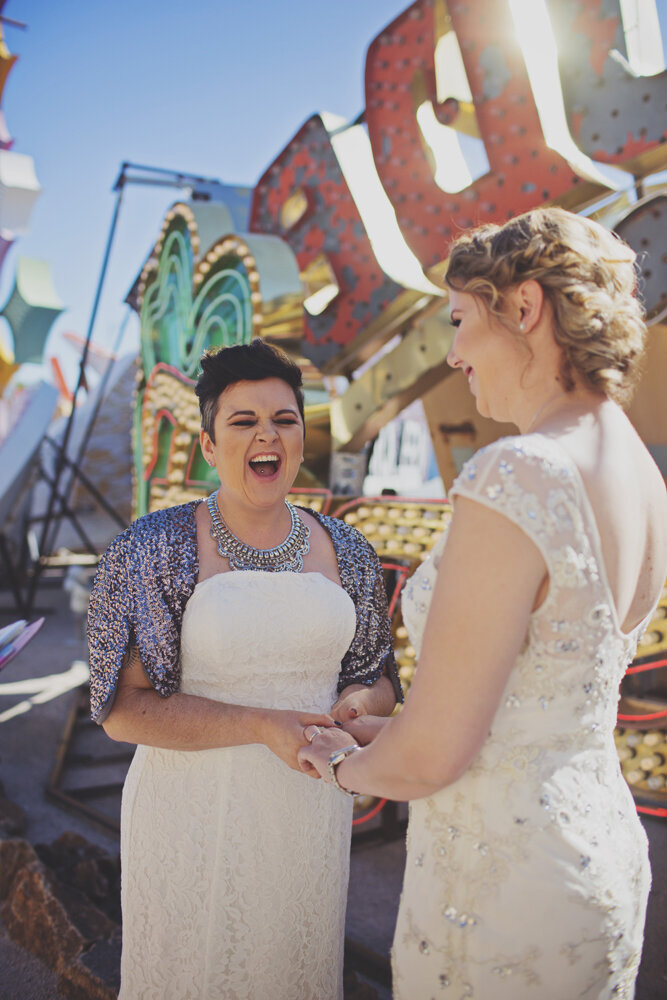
357 716
350 724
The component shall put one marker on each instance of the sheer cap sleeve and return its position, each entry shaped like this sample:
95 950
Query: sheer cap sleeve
533 482
371 653
142 585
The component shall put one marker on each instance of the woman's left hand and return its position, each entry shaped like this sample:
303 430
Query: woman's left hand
364 729
314 756
361 699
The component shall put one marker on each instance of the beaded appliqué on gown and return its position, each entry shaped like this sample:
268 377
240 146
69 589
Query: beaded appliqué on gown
513 885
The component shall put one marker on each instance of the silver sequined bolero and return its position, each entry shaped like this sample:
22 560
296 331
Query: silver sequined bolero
147 574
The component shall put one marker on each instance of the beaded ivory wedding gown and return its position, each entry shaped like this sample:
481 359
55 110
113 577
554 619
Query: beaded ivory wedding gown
528 877
235 867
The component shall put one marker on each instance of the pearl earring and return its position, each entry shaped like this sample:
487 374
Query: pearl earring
522 327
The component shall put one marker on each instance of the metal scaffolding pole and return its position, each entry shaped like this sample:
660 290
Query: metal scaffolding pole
60 461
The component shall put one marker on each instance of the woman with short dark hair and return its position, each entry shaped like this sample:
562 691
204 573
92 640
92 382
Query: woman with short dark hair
218 631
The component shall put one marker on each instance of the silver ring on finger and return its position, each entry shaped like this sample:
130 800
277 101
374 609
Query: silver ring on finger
314 732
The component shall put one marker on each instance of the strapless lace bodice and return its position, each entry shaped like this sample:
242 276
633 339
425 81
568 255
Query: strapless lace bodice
281 637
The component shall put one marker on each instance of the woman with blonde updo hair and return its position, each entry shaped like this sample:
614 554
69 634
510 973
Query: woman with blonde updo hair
527 872
589 279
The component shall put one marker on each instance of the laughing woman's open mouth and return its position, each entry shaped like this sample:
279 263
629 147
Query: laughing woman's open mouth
265 465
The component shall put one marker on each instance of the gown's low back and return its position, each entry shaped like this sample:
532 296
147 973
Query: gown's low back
527 878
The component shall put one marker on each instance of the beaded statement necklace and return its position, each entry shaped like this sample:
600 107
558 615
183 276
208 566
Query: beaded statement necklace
284 558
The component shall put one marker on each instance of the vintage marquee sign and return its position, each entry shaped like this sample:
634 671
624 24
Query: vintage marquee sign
352 223
614 117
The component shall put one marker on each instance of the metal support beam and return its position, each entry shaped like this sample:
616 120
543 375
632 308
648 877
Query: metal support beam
416 364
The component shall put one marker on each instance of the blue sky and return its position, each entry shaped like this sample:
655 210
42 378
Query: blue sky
210 87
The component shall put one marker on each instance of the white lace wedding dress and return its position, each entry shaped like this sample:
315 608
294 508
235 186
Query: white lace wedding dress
235 867
528 877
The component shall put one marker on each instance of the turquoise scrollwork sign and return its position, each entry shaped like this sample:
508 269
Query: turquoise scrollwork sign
189 305
201 288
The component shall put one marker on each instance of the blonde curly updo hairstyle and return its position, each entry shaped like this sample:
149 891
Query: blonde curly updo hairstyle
588 276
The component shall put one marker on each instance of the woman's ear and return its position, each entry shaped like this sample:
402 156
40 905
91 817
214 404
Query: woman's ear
206 446
528 303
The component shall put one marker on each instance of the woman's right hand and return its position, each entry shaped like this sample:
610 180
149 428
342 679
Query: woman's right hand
284 733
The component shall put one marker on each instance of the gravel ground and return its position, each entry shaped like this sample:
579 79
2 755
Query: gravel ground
22 976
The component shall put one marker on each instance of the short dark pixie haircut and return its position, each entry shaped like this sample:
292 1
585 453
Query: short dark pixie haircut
251 362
